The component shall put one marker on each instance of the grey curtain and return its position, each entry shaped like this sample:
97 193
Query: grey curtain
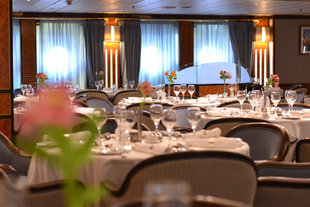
94 43
131 36
242 36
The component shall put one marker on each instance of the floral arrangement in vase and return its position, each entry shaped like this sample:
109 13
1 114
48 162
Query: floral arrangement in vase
99 75
273 81
224 75
42 77
171 78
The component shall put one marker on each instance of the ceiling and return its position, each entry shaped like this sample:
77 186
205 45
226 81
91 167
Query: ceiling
187 7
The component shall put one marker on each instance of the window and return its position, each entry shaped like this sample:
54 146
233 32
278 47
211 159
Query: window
16 54
159 50
61 51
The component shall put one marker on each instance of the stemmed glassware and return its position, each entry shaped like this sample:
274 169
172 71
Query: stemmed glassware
23 88
252 99
177 90
290 97
275 98
131 83
29 92
71 95
183 89
191 90
159 90
156 112
193 117
129 120
101 82
241 96
169 118
99 117
231 90
97 83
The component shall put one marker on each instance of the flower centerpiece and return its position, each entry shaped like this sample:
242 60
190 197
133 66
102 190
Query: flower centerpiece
273 81
42 77
171 78
99 75
224 75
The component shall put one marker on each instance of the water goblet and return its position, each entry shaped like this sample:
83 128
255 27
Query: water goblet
191 90
252 99
231 90
99 117
169 118
177 90
131 83
156 112
101 82
290 97
183 89
97 83
241 96
128 121
193 117
23 88
71 95
275 98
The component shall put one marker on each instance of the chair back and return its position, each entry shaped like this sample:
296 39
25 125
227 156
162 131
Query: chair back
96 102
283 169
306 100
236 104
147 106
92 93
125 94
302 151
147 122
222 174
299 88
282 192
267 141
197 201
296 106
10 155
225 124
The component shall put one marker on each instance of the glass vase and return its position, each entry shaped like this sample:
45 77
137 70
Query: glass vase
168 90
225 94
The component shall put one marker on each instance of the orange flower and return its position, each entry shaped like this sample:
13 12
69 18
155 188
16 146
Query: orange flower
166 73
173 74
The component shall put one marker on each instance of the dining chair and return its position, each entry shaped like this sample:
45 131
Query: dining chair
236 104
96 102
299 88
147 122
283 169
225 124
306 100
125 94
92 93
146 106
302 150
296 106
11 155
267 141
181 114
196 201
223 174
282 192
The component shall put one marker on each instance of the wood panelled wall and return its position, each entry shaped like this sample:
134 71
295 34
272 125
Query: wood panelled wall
6 109
186 43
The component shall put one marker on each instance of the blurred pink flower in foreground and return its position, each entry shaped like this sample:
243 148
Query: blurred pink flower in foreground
146 88
53 109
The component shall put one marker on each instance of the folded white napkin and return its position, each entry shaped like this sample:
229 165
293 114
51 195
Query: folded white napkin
216 132
203 100
154 149
220 142
305 113
20 98
84 110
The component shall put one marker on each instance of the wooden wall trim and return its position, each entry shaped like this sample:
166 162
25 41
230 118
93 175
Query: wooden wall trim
186 43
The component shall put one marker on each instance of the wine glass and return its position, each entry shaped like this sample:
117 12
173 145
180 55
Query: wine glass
23 88
169 118
176 90
128 121
168 192
183 89
241 96
290 97
99 117
131 83
29 92
191 90
275 98
101 82
155 112
97 83
231 90
71 95
193 117
252 99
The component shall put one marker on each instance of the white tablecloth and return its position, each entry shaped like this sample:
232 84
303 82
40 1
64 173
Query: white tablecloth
111 168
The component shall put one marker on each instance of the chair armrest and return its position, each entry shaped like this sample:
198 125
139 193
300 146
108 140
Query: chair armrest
293 141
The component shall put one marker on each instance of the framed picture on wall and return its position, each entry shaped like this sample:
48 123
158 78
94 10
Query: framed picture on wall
305 40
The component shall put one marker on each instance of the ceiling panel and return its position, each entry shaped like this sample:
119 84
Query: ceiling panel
202 7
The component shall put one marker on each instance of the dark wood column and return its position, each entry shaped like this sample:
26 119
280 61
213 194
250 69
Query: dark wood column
6 103
186 43
28 50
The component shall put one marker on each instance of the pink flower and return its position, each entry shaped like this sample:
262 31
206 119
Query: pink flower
145 88
53 109
101 72
41 76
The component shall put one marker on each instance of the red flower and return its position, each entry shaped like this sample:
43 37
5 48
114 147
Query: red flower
173 74
166 73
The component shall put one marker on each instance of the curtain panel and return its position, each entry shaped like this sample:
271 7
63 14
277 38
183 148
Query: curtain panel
130 50
242 35
16 54
61 52
159 51
94 43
